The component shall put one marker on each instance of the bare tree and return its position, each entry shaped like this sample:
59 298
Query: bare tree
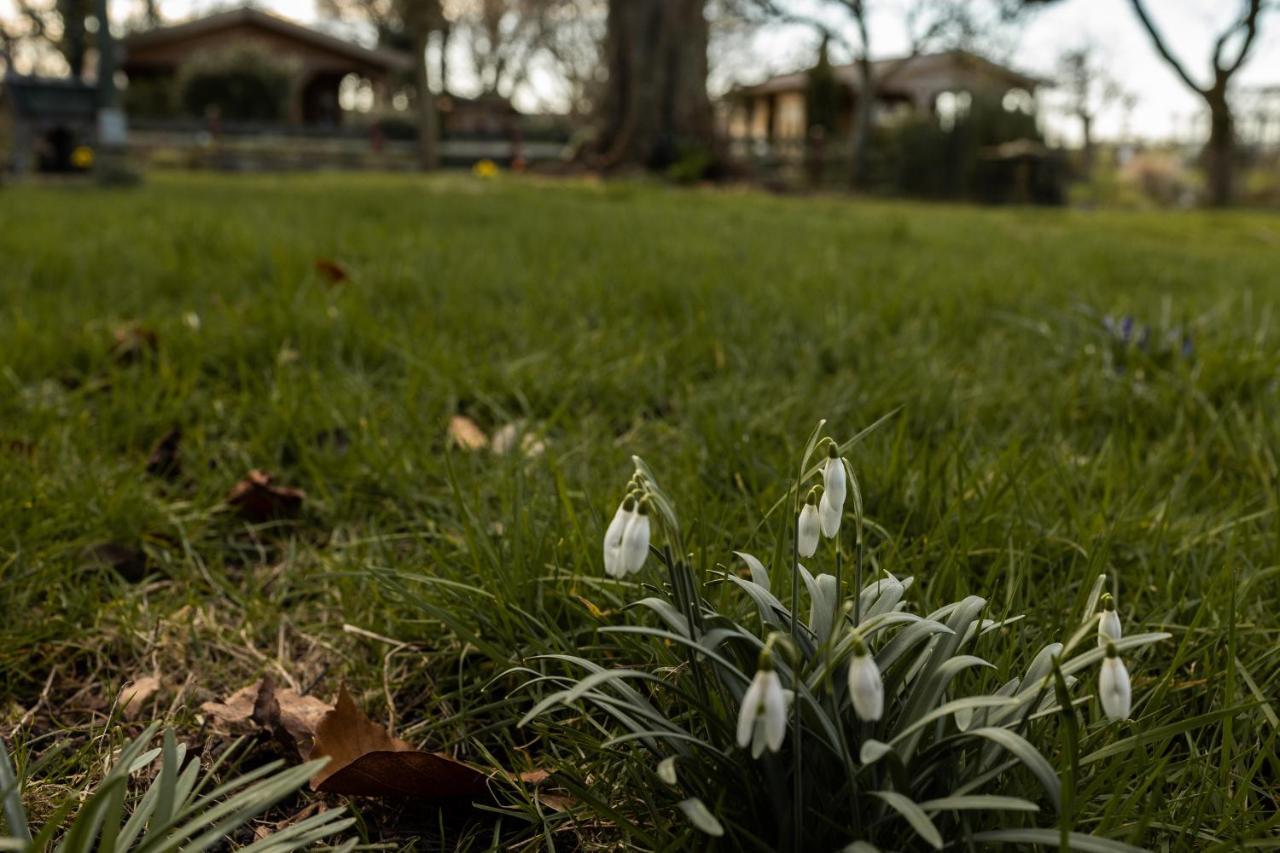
1089 90
505 41
1243 32
404 23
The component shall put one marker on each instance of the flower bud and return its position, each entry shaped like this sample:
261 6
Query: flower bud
1114 691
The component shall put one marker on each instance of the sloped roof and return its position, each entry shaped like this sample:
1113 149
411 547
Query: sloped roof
900 69
380 57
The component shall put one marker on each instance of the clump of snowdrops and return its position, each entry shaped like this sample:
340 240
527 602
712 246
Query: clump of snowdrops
818 711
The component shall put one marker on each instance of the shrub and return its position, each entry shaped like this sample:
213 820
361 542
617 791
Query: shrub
243 83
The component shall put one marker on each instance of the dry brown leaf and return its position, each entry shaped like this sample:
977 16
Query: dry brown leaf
257 499
513 435
332 271
134 695
465 434
289 716
163 461
365 760
128 561
132 342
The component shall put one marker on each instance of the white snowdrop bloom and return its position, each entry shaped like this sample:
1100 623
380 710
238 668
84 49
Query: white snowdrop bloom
829 516
1114 691
762 718
833 478
809 528
635 539
865 685
1109 625
613 566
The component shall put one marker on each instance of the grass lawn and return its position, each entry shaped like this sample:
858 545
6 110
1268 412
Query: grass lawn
706 331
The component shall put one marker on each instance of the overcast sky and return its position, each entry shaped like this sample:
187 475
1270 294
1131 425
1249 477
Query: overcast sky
1165 107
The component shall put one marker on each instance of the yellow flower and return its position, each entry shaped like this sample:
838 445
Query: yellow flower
82 157
485 169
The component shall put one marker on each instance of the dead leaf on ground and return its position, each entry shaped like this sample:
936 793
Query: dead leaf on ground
332 271
134 696
20 446
257 499
365 760
513 435
163 461
465 434
131 342
129 561
285 714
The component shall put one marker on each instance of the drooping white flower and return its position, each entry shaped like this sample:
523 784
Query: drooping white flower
762 717
866 688
829 516
809 527
833 478
613 565
1109 625
635 539
1114 691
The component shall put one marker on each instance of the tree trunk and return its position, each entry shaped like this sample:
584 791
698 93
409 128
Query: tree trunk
1220 152
1087 148
446 30
428 148
655 108
863 123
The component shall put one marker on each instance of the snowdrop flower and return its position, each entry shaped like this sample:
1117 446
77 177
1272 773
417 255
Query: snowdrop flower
809 529
834 489
865 686
1109 625
1113 686
762 718
613 566
635 539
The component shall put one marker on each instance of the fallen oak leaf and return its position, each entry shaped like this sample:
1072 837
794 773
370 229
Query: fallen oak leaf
365 760
257 499
465 434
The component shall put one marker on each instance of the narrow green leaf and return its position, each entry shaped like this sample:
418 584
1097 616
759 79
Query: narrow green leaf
979 802
1027 754
701 817
1078 841
915 816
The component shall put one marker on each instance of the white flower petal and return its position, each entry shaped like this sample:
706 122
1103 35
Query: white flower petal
866 688
809 529
635 543
613 543
1113 689
775 712
833 481
1109 627
749 709
829 516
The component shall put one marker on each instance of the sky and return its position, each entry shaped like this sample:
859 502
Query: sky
1165 108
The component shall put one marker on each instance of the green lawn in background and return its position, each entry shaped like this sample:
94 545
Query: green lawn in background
707 331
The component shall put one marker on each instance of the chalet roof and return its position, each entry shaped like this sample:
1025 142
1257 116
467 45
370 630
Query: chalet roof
378 57
900 70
